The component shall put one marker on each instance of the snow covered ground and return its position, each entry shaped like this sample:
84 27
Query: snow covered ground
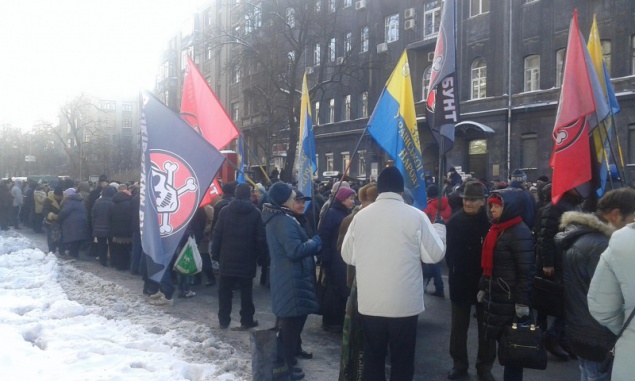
60 323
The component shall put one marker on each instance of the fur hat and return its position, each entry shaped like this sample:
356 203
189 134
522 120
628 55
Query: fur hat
390 180
344 193
280 192
243 191
368 193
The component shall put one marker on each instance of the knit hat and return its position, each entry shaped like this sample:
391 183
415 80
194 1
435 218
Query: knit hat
108 191
368 193
344 193
69 192
390 180
544 178
432 191
58 191
280 192
495 199
103 178
243 191
519 176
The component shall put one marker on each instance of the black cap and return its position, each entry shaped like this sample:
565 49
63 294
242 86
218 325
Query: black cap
300 196
390 180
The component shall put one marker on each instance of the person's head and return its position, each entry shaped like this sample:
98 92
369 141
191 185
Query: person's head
542 180
108 191
69 192
390 180
518 176
367 194
281 194
300 202
242 192
103 180
617 207
229 189
346 196
474 194
58 193
122 187
495 203
432 191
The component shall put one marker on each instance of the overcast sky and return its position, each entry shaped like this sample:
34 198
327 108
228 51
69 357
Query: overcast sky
52 50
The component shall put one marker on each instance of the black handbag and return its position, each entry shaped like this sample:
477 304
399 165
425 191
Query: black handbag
522 346
548 296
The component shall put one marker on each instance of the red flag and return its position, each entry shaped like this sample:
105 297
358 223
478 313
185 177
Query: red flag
213 191
571 158
202 110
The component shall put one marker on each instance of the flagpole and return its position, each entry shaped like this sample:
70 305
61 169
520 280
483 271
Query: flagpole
254 155
619 148
440 194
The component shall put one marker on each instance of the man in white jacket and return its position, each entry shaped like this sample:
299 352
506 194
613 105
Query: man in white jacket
386 242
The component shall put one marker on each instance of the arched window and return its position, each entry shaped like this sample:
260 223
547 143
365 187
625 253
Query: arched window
425 82
479 79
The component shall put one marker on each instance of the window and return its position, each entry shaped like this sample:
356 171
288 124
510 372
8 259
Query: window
187 28
477 147
479 79
347 107
291 59
208 51
348 43
530 1
364 104
631 144
431 19
332 6
235 73
606 54
329 162
208 17
316 55
126 106
532 73
318 6
361 166
332 50
529 150
317 163
478 7
235 110
348 3
560 54
391 31
189 51
332 110
107 105
425 82
291 17
346 158
126 123
364 40
316 114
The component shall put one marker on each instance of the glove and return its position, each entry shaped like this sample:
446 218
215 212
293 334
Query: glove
440 229
317 240
51 216
522 310
480 297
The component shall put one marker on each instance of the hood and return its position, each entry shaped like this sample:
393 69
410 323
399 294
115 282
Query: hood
576 224
513 203
75 197
120 197
435 201
241 206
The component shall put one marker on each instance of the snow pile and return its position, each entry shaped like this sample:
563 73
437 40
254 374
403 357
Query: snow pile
103 331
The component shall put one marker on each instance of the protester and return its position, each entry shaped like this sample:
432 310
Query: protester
101 223
292 270
121 228
202 227
228 196
334 190
518 181
583 240
137 259
74 222
6 205
508 263
238 243
445 213
39 196
16 192
466 231
390 292
331 260
51 211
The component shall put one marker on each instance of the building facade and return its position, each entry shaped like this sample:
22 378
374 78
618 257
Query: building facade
510 56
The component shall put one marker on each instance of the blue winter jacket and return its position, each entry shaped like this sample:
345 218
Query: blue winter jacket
292 266
74 219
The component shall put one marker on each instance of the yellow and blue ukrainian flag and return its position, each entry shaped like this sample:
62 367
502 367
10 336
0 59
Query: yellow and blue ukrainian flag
240 158
393 125
306 157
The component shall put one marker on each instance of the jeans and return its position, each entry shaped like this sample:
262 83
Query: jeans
595 371
151 287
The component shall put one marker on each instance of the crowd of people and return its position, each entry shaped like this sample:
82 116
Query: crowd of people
363 251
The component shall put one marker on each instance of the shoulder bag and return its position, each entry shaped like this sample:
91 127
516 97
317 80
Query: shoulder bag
619 334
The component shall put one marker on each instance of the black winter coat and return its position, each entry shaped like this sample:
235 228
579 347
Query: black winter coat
514 268
93 196
219 206
547 255
73 219
121 216
101 213
238 239
464 236
134 205
331 258
584 239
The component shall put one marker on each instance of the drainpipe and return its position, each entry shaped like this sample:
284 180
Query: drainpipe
509 93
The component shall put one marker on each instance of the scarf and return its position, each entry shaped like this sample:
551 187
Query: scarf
487 257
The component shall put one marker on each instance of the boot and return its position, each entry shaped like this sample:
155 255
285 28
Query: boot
552 346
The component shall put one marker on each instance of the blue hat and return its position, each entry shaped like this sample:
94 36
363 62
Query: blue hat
279 193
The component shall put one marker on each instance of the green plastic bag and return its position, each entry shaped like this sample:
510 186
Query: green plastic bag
189 261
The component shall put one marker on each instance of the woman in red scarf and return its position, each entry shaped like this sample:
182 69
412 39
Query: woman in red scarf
508 262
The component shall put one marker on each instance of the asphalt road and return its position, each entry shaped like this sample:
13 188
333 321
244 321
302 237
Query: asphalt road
433 332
